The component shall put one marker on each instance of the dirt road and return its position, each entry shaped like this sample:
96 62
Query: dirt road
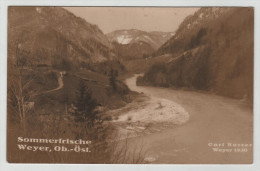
213 120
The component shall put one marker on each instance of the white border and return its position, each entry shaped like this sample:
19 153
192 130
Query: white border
4 166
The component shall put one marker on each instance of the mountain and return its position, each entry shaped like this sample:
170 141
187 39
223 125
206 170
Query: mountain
136 43
189 27
212 50
54 36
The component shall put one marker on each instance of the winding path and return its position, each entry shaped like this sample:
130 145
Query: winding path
60 85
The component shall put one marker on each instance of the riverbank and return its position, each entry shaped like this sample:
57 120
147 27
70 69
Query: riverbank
213 119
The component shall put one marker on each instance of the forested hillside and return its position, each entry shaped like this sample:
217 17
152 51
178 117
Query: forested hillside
212 50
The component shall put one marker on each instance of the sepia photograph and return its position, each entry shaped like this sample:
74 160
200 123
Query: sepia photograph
130 85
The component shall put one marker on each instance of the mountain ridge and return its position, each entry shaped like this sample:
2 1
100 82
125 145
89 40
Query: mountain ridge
133 43
190 25
45 34
155 38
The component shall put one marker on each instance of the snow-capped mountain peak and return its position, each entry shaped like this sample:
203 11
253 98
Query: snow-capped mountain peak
155 39
124 39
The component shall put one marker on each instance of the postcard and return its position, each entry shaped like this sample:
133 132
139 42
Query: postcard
130 85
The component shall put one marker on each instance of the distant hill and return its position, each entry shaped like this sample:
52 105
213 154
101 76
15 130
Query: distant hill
212 50
132 44
54 36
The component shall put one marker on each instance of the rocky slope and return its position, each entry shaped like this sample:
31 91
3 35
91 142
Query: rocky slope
212 50
134 43
54 36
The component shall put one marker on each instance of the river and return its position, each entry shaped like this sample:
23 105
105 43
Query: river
213 120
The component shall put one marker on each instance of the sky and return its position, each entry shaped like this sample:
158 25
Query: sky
142 18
